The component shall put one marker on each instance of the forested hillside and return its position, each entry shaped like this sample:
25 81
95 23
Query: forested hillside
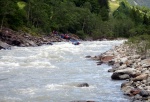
95 18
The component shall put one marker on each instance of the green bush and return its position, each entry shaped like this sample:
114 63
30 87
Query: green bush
141 43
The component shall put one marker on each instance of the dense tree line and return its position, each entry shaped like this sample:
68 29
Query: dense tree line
81 17
74 16
132 20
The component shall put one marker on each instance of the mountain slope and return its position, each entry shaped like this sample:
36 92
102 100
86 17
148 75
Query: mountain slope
145 3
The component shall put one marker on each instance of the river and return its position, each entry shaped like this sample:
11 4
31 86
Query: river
51 73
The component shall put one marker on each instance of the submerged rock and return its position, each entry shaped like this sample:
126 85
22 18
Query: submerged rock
83 85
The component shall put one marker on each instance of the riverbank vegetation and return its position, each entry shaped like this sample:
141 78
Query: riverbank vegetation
97 18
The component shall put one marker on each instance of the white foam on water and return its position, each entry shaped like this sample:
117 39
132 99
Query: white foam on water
51 73
27 91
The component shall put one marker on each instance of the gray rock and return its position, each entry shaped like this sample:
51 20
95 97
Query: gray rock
144 93
119 76
140 77
126 71
137 97
111 70
83 85
111 63
124 76
87 56
126 84
4 45
127 90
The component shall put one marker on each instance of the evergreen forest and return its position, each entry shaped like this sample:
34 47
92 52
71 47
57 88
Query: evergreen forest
85 18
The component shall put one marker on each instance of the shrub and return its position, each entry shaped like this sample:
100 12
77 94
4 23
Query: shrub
141 43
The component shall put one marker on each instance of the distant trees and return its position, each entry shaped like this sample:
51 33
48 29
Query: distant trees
11 15
81 17
131 20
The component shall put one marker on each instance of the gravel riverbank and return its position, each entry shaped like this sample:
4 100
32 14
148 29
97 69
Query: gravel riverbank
131 67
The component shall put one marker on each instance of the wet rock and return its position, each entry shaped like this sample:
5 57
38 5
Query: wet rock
111 70
119 76
99 63
96 57
111 63
83 85
87 56
144 93
4 45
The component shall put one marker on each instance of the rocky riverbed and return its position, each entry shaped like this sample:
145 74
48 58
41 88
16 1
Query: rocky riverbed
129 66
9 37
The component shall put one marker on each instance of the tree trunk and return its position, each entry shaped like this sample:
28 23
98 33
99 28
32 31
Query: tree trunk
2 23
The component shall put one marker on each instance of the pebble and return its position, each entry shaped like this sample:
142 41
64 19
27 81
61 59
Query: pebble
126 58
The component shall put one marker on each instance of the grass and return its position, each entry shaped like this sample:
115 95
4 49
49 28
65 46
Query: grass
21 4
113 6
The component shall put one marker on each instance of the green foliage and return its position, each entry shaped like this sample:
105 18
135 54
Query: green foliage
123 11
21 4
141 43
81 17
113 5
81 34
131 20
33 31
122 27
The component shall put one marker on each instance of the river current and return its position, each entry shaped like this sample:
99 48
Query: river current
51 74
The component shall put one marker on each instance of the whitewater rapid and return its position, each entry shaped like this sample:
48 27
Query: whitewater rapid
51 73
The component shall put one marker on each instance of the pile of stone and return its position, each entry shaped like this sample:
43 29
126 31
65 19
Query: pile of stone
129 66
9 37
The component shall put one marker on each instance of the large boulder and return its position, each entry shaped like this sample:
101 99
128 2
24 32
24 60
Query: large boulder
119 76
129 71
123 74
